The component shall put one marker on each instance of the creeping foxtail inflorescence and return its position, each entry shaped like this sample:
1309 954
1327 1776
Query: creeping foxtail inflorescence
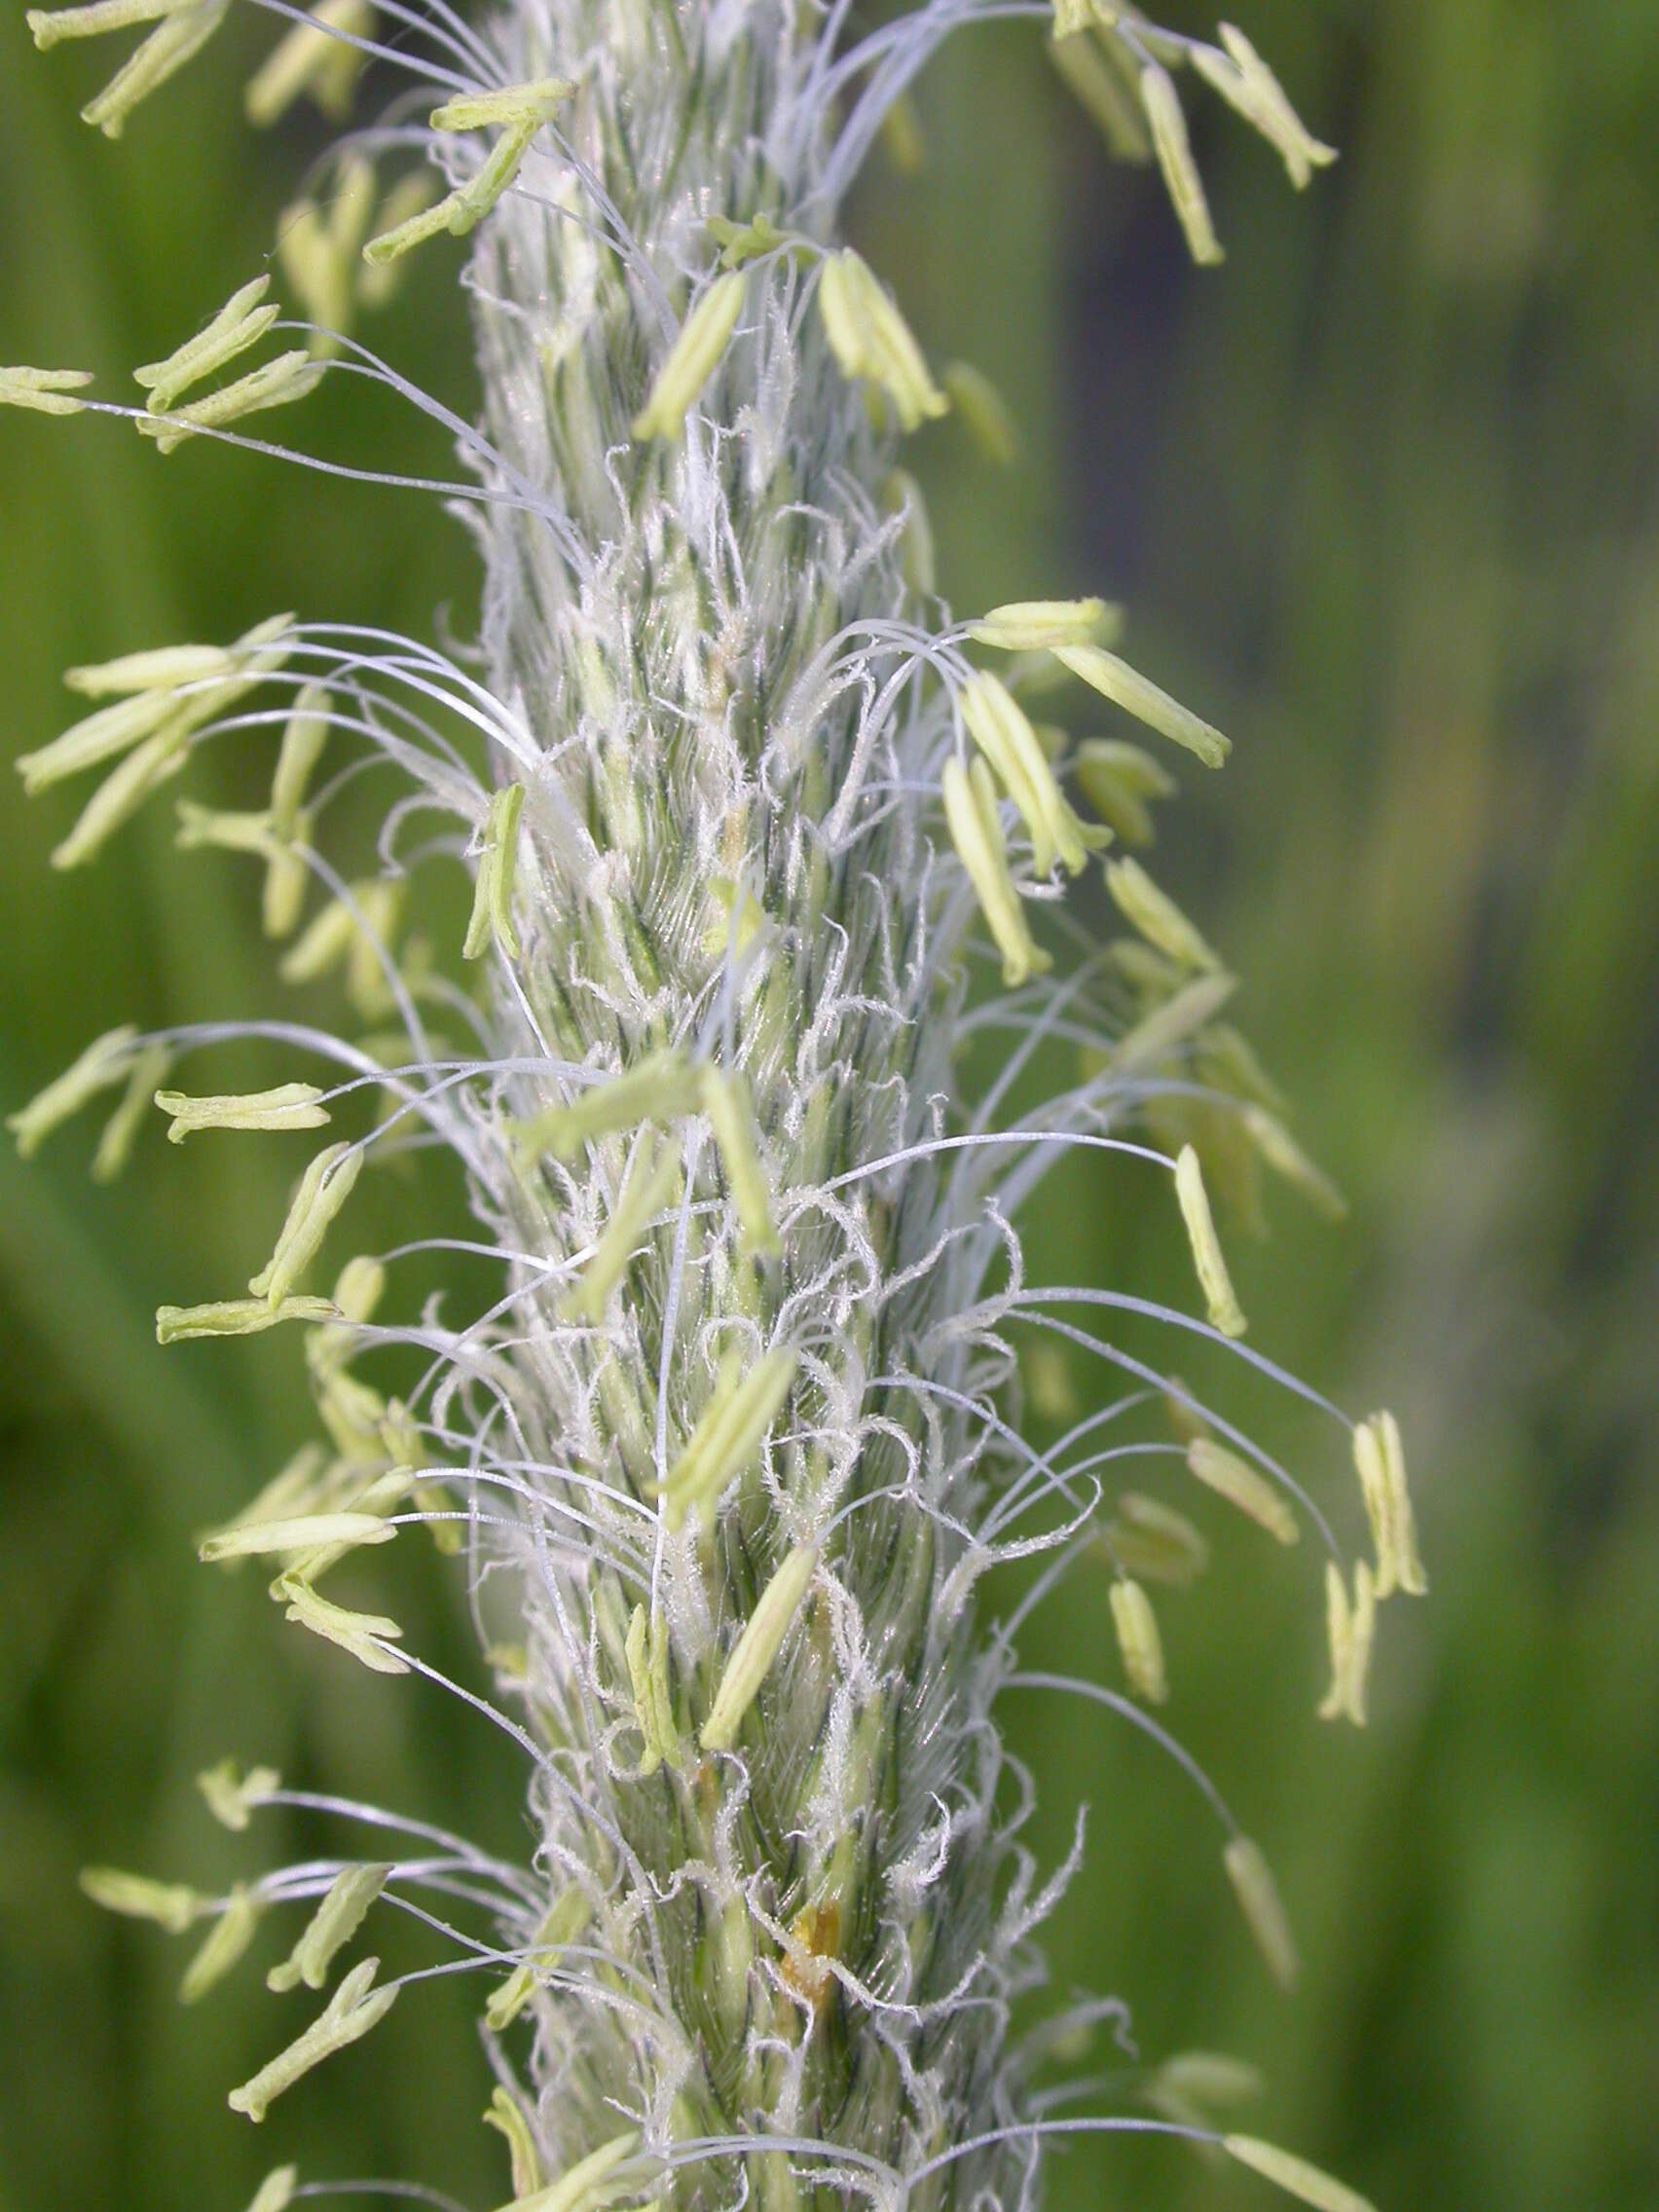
736 1439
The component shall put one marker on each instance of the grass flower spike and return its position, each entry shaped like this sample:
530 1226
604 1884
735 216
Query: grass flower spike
756 834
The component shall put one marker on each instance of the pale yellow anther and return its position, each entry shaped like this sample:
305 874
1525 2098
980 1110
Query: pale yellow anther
310 1482
353 1412
1408 1566
664 1087
1198 2081
1374 1490
227 1939
582 2185
524 2162
351 2011
1186 1419
693 358
566 1918
230 1795
651 1183
353 934
153 709
279 383
45 391
1152 911
1380 1461
123 1127
901 136
336 1920
120 794
1100 75
406 1447
740 242
648 1652
304 735
182 29
1126 687
536 103
1174 148
97 737
970 816
902 495
1001 728
408 200
275 2193
329 1350
327 941
170 1905
1209 1262
319 245
462 209
1286 1158
299 1486
729 1104
106 1061
323 1189
49 25
1051 1388
163 669
355 1633
408 223
1173 1023
283 899
493 892
1264 1914
1035 625
369 1501
238 324
1139 1643
333 84
870 339
1151 1541
1118 779
687 1476
302 1532
1226 1060
201 827
234 1318
401 1434
1221 1470
1295 2176
1351 1628
1243 79
729 1432
737 920
286 1106
983 412
1338 1631
315 58
1145 970
756 1647
359 1289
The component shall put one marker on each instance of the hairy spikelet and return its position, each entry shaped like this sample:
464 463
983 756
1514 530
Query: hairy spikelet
734 1447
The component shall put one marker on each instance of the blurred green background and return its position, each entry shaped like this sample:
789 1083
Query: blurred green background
1381 497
